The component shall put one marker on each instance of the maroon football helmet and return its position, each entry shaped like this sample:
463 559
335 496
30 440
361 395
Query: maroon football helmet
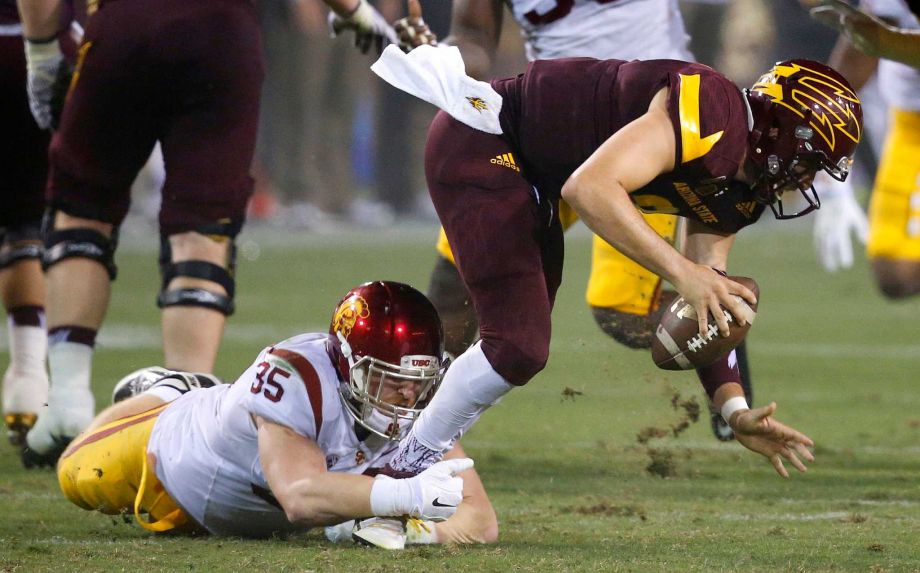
805 117
387 335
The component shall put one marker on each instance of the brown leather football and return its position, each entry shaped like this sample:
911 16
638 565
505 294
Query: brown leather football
677 344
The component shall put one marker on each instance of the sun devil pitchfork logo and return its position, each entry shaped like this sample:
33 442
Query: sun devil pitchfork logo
831 116
348 314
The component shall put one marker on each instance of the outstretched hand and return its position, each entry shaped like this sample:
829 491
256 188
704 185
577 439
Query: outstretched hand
370 28
759 432
412 30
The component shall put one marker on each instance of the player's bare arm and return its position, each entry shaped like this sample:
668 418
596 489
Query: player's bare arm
475 28
599 192
295 468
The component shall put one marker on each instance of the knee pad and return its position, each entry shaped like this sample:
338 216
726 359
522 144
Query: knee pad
22 252
83 243
203 270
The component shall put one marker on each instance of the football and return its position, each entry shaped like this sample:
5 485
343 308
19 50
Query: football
677 344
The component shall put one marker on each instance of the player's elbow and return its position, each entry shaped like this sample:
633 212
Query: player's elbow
573 192
300 507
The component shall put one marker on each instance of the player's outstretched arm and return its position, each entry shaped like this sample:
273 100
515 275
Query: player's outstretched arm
871 35
599 192
475 28
760 432
295 468
370 27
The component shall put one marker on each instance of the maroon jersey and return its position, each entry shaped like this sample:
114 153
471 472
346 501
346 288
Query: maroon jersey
9 15
559 112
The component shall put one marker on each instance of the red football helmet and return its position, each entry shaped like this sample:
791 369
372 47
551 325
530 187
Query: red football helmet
387 337
805 117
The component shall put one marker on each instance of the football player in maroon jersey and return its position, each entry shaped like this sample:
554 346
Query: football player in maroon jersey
612 137
23 168
187 75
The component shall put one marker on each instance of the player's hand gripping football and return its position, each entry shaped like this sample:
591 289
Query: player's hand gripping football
760 432
413 31
707 291
369 26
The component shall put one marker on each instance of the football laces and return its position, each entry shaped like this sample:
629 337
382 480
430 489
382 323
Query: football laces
698 342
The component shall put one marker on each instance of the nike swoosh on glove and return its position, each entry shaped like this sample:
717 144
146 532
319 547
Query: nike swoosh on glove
433 494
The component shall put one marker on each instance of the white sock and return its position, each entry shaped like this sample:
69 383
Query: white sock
25 384
470 386
70 365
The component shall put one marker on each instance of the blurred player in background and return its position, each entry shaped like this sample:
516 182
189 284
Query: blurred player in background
894 212
23 170
189 76
293 443
626 299
608 137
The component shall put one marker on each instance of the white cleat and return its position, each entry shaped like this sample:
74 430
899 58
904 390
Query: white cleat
24 395
384 532
68 413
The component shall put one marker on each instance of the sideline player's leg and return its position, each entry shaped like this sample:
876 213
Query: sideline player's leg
23 173
22 289
450 296
208 146
512 266
894 212
108 128
79 268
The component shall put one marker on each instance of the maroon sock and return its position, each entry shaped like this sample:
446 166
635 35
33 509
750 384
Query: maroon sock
70 333
27 315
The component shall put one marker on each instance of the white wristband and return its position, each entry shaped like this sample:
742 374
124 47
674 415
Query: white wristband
732 405
392 497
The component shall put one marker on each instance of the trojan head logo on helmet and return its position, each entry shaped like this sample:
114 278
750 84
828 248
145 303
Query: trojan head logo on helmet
805 117
388 346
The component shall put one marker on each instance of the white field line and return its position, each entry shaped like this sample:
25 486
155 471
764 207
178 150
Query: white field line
681 445
129 336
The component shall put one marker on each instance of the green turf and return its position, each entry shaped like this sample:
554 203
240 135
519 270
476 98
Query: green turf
567 475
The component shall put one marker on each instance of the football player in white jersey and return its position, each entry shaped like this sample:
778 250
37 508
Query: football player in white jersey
626 299
293 443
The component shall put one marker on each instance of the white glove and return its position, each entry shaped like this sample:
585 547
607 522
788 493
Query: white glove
433 494
43 60
369 25
838 216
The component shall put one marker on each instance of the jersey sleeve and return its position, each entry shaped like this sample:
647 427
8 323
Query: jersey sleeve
285 389
710 123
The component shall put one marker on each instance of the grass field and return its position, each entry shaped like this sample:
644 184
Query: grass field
567 475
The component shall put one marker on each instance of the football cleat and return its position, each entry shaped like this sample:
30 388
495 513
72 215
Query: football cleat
69 411
144 379
420 532
340 533
24 395
384 532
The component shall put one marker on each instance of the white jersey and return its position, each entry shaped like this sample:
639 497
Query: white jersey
899 84
622 29
207 447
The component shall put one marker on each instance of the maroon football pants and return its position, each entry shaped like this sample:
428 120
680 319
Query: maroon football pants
185 73
506 239
23 146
